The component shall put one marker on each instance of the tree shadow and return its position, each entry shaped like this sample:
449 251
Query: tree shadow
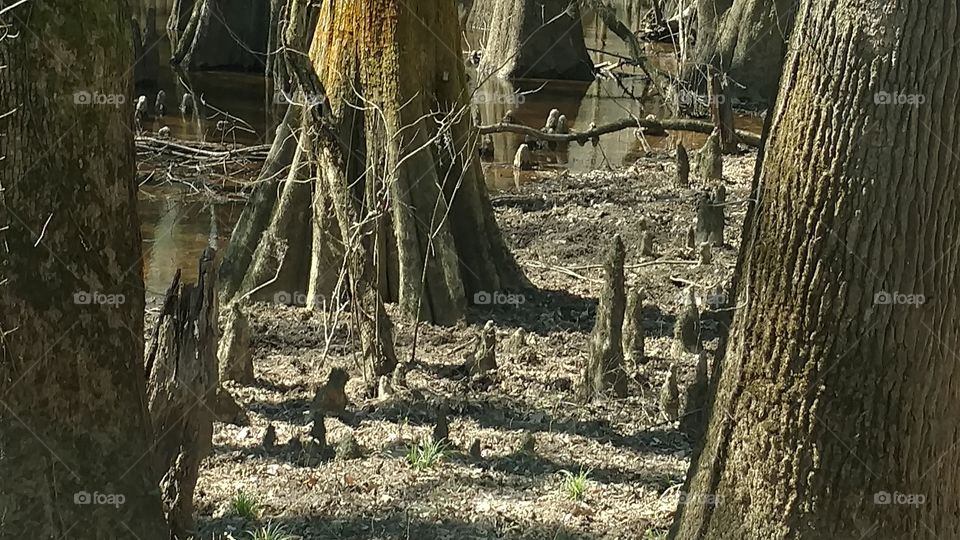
516 415
391 524
539 311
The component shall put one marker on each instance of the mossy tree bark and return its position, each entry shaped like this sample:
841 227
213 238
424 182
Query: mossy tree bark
831 408
74 432
409 150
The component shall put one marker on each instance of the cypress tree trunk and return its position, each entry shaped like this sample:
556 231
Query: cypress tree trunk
75 459
396 168
746 40
535 39
833 412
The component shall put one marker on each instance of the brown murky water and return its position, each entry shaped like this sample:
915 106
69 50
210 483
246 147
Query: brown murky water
176 231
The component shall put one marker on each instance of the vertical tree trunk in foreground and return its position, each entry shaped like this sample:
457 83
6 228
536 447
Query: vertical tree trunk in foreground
834 415
75 459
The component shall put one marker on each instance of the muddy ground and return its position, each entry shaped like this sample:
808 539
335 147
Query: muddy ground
559 228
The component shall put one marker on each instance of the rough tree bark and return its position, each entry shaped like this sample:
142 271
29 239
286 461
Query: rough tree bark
74 434
536 39
745 39
831 415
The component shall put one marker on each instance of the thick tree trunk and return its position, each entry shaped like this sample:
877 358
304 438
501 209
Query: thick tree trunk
745 39
413 149
536 39
75 459
831 415
417 206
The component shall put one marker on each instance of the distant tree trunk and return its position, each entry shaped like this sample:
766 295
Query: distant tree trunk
745 39
536 39
75 459
833 413
221 34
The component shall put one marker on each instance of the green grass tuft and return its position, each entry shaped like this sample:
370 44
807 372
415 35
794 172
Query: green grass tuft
425 455
245 505
270 532
575 485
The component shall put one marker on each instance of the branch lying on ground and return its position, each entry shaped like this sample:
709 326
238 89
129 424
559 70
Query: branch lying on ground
201 150
670 124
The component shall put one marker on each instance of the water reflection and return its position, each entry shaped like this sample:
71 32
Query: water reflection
175 233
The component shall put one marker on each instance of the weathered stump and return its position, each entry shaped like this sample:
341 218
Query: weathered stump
633 335
683 166
710 160
710 220
182 389
670 396
523 161
647 248
604 368
484 357
687 327
693 421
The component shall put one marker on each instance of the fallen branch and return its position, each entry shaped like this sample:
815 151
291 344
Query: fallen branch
197 150
657 126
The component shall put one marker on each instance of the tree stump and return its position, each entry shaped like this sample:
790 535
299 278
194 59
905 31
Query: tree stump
182 389
692 422
646 245
633 335
234 355
605 365
710 221
706 256
683 166
670 396
484 358
523 160
687 328
710 160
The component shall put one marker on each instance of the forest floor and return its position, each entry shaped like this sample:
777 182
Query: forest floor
559 228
